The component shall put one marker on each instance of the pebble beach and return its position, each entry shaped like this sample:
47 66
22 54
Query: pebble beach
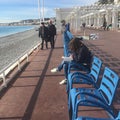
12 46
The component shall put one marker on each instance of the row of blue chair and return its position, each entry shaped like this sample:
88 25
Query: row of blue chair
89 78
99 96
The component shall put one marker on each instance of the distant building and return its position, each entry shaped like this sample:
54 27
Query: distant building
27 22
116 1
94 15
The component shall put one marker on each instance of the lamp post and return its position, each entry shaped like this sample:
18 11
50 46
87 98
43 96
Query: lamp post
39 11
43 10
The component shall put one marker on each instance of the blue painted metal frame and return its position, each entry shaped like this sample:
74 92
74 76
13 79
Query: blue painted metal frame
101 97
91 118
80 78
67 36
89 78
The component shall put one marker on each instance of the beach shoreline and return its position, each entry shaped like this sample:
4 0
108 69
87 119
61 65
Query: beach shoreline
12 46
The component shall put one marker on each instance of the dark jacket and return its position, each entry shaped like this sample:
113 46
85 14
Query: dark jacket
43 34
52 29
83 55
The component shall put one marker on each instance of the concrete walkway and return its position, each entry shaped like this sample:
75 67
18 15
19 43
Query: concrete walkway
35 93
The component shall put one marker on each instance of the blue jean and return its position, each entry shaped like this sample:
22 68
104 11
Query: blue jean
64 64
71 65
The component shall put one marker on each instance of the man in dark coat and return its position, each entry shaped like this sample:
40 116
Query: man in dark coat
43 33
52 33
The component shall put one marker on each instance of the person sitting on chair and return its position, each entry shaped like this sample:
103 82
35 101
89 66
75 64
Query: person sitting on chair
79 53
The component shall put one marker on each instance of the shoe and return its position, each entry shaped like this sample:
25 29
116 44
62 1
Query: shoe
63 82
54 70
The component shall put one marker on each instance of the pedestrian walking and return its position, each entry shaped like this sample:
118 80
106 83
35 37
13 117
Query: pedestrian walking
51 33
43 33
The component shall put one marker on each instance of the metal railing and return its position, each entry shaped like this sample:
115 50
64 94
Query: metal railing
16 63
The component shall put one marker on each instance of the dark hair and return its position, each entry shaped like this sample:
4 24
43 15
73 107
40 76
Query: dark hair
75 44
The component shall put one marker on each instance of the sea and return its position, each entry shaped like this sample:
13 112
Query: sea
9 30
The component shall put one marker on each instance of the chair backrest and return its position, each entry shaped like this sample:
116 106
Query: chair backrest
66 40
95 68
67 36
70 35
108 85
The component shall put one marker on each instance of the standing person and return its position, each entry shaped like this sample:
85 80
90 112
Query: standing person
83 26
79 53
63 26
104 25
52 33
43 33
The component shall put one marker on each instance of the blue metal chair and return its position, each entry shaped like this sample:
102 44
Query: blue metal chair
80 78
74 66
67 36
91 118
101 97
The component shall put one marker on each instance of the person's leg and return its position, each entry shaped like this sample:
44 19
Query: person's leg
59 68
66 69
65 66
42 44
46 43
52 41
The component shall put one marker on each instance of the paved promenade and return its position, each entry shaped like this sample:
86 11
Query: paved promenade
35 93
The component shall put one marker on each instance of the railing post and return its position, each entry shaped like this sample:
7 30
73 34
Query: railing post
19 68
17 63
4 79
27 58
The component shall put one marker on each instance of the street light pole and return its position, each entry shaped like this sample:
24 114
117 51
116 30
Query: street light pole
43 11
39 11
